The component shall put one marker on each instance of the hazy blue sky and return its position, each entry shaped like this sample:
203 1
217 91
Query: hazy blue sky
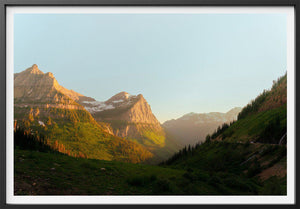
181 63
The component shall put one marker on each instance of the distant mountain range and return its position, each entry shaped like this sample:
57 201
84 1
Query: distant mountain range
193 127
246 157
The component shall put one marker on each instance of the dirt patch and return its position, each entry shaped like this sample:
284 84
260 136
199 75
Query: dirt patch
279 169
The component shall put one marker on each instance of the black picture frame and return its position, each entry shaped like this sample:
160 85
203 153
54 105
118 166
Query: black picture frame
251 3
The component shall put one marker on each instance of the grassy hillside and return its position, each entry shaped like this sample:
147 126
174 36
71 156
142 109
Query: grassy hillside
212 168
245 151
256 168
38 173
47 173
263 120
146 134
269 99
267 126
75 132
163 153
151 136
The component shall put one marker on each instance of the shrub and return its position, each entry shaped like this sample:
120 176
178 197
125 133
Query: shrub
268 150
162 186
236 183
247 144
189 176
254 169
87 165
141 180
214 180
201 176
272 187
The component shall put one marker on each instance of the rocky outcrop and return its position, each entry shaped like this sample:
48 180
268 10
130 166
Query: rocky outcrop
123 115
140 112
129 116
60 106
43 106
33 87
122 107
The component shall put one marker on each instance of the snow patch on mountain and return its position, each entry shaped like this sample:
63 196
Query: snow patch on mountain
118 101
95 106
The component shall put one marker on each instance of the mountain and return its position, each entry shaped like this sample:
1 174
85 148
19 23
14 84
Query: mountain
122 107
40 173
128 116
274 98
193 127
42 106
131 117
251 148
42 89
263 120
243 158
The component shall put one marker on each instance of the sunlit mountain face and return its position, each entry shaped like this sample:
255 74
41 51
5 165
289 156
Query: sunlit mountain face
86 126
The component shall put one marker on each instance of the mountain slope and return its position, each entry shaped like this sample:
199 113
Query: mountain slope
42 89
131 117
249 147
235 165
38 173
264 119
192 128
44 107
123 107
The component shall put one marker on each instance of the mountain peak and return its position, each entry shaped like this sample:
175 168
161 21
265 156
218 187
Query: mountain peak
33 85
124 107
34 69
49 74
123 94
119 97
140 96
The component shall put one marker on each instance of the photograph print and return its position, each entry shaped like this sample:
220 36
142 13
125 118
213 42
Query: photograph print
153 103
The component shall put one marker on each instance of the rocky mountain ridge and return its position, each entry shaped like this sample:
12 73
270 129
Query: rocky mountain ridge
123 107
193 127
44 105
42 89
129 116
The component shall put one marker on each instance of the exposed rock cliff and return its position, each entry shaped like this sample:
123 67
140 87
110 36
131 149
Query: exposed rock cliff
122 107
129 116
42 106
33 87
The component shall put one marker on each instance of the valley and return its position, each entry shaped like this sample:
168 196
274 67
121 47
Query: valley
68 143
38 173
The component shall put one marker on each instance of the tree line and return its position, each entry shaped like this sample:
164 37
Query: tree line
27 140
